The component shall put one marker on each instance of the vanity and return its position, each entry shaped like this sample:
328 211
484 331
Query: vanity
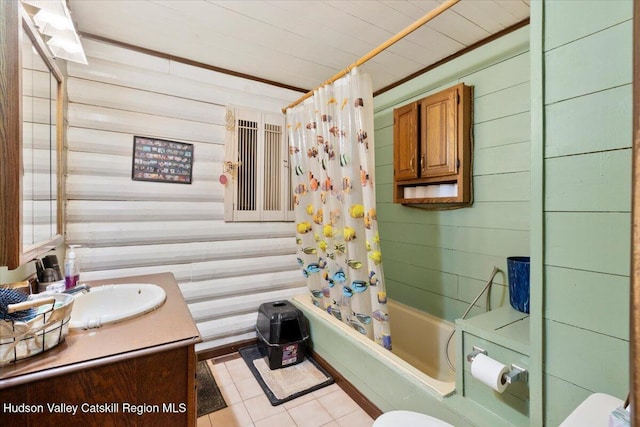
134 373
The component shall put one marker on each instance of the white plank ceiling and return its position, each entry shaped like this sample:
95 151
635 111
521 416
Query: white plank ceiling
299 44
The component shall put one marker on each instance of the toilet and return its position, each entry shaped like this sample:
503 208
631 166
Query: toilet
408 419
594 411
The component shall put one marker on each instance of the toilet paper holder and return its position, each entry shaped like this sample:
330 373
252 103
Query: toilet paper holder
516 373
476 351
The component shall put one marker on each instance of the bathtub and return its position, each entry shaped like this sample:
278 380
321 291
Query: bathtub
421 339
417 366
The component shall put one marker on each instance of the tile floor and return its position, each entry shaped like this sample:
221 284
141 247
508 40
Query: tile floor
247 405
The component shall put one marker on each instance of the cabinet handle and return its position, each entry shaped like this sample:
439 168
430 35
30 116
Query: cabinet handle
422 162
411 163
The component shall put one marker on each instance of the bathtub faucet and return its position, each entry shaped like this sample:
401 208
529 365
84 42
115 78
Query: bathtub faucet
84 288
487 288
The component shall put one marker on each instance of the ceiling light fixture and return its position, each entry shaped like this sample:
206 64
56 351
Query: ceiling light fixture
53 20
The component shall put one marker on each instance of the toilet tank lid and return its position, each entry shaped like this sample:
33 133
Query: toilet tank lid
594 411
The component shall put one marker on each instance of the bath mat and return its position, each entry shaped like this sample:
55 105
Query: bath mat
209 397
284 384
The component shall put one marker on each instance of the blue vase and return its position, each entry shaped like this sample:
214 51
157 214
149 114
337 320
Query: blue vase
518 271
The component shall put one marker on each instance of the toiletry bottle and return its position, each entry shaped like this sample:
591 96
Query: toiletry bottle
39 270
71 268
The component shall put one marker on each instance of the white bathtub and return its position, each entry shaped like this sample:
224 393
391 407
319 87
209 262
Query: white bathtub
416 336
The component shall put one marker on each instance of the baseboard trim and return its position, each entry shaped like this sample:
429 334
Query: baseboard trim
225 350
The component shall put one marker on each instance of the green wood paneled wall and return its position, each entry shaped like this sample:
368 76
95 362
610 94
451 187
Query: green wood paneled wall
587 180
438 261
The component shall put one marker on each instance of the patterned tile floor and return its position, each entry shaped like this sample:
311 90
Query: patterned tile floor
247 405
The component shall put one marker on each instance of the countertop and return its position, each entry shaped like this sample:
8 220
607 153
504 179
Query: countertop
504 326
170 325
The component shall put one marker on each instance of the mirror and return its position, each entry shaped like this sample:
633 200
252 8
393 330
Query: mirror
31 144
39 148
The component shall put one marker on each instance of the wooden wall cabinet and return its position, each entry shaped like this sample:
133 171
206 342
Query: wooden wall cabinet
432 150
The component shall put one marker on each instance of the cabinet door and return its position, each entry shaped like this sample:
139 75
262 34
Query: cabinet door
438 134
405 142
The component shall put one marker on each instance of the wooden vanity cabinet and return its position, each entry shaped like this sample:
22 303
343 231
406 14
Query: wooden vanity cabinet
155 389
432 149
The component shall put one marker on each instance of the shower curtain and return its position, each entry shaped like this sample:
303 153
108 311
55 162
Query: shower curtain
332 167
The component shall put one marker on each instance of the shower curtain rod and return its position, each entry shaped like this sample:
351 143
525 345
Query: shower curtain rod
402 34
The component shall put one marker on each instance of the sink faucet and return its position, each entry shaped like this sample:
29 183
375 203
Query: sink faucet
80 288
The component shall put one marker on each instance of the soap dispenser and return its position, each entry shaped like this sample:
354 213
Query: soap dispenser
71 268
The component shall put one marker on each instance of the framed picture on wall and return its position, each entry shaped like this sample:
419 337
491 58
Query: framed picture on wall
161 160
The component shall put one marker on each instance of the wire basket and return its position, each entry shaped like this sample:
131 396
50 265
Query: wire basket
46 327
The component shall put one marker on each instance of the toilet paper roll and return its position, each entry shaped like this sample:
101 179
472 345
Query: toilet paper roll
409 192
489 372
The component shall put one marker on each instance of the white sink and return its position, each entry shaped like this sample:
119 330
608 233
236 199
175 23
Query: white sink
114 303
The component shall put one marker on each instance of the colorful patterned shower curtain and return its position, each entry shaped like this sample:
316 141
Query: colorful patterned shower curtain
332 171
